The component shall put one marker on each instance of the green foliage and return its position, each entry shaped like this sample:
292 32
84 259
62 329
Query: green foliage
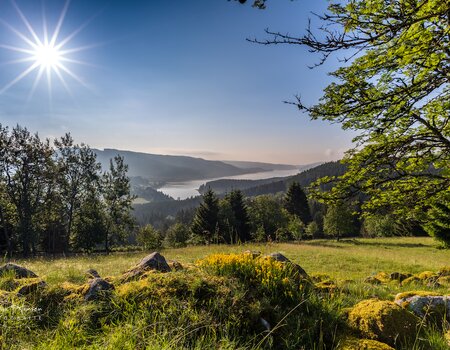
438 221
234 219
296 203
267 213
394 94
150 238
176 235
379 226
339 221
296 227
313 229
52 198
206 221
89 226
118 202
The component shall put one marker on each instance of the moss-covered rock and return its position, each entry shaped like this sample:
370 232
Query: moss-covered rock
422 293
412 280
426 305
363 344
384 321
445 271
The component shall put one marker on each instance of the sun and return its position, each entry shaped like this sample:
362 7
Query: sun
48 56
45 54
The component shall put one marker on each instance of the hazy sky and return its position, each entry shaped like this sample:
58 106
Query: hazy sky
172 77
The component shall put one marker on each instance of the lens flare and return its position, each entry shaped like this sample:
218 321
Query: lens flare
46 54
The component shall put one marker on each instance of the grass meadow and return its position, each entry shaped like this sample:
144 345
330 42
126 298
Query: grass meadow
223 299
346 259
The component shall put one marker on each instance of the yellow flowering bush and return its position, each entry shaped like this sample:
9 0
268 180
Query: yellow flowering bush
272 275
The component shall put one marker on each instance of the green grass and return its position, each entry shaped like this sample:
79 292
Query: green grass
347 259
218 304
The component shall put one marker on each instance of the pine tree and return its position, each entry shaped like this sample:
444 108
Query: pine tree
205 222
296 203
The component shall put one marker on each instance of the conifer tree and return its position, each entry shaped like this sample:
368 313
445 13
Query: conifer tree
296 203
205 222
240 213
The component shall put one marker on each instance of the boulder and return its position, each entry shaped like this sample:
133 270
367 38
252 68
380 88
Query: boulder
281 258
97 287
19 271
278 257
153 261
422 305
384 321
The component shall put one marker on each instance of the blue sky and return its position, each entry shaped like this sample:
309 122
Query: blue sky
174 77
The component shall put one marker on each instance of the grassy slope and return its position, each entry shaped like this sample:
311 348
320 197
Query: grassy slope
348 259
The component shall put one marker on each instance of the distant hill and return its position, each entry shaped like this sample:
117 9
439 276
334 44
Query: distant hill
305 178
259 165
276 184
150 212
166 168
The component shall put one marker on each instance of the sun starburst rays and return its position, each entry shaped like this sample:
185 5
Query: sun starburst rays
47 55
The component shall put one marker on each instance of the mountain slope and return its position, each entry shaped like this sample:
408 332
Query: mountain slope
166 168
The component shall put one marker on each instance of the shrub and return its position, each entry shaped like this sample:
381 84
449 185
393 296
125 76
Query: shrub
149 237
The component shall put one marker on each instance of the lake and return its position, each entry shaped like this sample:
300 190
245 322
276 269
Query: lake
183 190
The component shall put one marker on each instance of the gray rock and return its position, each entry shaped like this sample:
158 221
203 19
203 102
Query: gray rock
97 287
19 271
421 305
280 257
153 261
91 273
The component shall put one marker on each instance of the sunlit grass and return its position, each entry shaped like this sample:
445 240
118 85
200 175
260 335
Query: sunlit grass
347 259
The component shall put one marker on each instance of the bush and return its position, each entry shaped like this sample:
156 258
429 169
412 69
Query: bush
176 236
149 237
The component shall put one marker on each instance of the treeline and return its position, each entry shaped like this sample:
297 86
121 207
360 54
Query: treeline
54 197
286 216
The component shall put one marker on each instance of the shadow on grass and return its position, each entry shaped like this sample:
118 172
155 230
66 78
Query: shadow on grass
382 244
346 242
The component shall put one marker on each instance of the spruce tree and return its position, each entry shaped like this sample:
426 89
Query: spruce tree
241 217
205 222
296 203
